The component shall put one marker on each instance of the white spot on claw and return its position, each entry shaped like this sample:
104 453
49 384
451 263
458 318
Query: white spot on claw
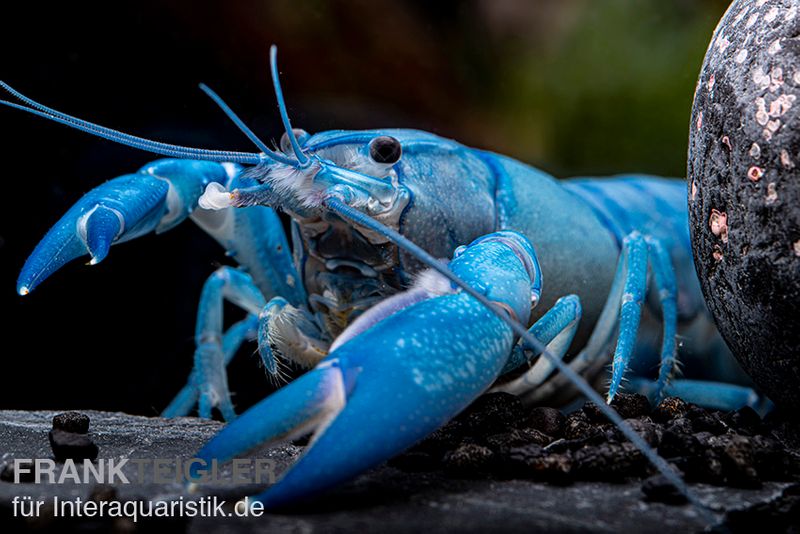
796 247
755 151
755 173
23 291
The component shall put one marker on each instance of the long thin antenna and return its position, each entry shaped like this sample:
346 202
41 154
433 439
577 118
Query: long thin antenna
359 218
244 128
123 138
302 159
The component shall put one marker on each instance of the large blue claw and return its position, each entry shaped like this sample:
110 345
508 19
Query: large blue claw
102 227
158 197
416 364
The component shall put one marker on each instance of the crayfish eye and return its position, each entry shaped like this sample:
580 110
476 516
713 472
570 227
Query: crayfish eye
286 144
385 149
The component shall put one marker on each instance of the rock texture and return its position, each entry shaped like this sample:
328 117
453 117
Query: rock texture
744 190
385 499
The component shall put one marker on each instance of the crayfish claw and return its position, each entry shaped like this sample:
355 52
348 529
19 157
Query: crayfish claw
99 230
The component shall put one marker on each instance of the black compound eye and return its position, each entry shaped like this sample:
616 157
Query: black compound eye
385 149
286 145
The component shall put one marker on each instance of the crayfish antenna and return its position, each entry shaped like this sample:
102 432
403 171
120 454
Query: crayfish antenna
244 128
165 149
302 159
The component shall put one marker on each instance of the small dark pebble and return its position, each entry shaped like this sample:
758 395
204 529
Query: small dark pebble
75 422
611 462
736 456
547 420
658 489
644 426
706 421
677 440
631 405
68 445
578 426
517 438
468 460
532 462
7 472
669 409
628 406
493 413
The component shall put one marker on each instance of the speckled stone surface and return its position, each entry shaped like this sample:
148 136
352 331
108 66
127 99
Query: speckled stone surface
744 189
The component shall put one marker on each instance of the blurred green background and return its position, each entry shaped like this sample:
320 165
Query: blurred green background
573 86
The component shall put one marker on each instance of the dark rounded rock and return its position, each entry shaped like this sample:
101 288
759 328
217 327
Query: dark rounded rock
517 438
547 420
706 421
669 409
631 405
468 460
492 413
578 426
69 445
610 462
643 426
75 422
628 406
744 191
533 461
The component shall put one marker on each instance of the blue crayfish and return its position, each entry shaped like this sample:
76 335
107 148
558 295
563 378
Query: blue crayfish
363 299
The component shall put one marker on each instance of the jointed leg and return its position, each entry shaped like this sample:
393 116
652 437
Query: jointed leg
208 374
635 258
555 329
716 395
667 294
185 400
